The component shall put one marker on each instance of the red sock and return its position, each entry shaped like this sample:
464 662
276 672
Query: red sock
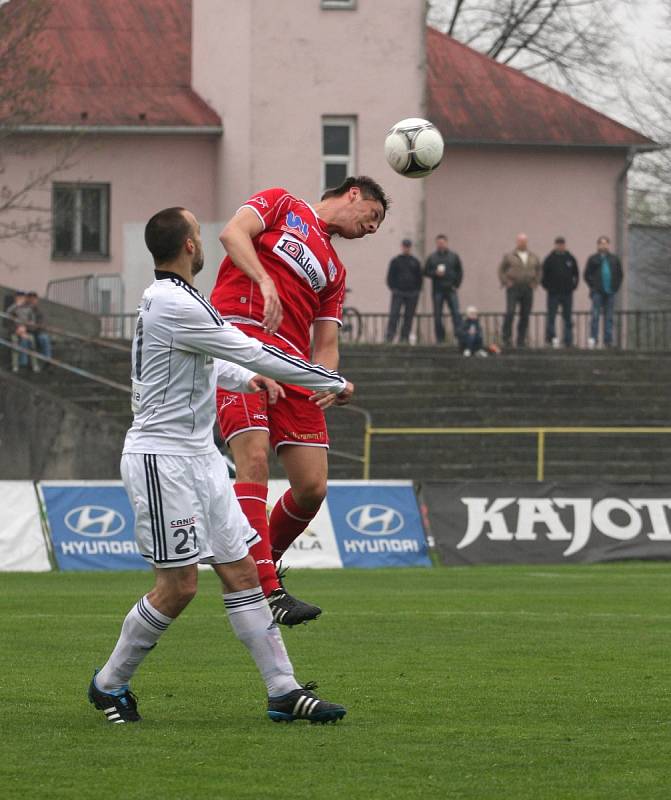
287 521
252 498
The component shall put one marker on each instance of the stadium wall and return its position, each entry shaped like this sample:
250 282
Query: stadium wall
42 437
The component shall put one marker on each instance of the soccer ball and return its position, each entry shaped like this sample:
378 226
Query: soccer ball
414 147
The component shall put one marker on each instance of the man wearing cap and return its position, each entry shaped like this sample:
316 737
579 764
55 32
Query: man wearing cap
404 279
560 278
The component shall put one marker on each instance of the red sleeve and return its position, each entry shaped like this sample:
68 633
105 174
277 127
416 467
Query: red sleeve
268 205
332 300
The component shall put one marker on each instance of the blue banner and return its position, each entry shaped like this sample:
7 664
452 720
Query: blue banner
91 526
377 524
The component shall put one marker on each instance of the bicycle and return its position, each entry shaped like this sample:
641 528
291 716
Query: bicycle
352 324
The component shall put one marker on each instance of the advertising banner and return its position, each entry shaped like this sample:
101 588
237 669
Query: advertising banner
23 547
548 523
377 524
91 524
316 547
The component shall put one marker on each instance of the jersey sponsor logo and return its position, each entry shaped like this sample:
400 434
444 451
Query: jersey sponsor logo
94 521
375 520
260 201
294 224
332 270
178 523
302 260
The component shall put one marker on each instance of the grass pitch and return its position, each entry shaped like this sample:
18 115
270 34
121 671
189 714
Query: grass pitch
493 682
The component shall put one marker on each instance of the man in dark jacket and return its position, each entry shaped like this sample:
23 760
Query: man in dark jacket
560 278
603 275
444 268
404 278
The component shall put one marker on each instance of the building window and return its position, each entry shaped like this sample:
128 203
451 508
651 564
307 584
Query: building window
80 221
337 150
338 3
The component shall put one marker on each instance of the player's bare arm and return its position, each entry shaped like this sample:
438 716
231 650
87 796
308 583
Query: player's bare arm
237 237
325 352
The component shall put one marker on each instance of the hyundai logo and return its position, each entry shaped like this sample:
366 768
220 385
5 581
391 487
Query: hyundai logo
94 521
374 520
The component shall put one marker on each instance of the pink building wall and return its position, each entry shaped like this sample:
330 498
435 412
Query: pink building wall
482 198
145 173
273 69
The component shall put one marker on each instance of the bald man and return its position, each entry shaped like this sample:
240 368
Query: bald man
520 274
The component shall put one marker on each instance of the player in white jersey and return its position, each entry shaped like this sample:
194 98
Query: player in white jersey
177 481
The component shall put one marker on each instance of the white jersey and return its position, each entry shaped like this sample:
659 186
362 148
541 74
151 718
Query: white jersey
178 343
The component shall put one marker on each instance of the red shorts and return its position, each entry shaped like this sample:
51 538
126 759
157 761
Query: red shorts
292 420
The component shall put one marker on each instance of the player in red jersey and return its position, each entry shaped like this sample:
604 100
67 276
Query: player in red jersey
281 282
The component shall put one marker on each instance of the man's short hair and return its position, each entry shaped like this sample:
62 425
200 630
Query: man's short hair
560 240
165 234
31 294
603 239
442 236
407 243
370 190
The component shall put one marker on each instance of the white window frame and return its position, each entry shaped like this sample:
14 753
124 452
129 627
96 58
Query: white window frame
350 159
339 4
77 254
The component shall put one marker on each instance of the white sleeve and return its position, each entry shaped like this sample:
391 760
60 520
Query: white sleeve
232 377
197 328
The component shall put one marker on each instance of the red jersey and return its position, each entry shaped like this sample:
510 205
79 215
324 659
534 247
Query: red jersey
296 251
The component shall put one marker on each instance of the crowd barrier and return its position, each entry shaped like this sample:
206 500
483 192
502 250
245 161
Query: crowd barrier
88 525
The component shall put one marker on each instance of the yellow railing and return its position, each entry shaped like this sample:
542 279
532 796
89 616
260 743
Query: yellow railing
540 432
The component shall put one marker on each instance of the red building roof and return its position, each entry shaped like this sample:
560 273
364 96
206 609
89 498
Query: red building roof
121 63
474 99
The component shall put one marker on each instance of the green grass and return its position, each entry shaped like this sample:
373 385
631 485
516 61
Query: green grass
492 682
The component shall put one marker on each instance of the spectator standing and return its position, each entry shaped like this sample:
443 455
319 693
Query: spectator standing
22 314
42 338
444 268
471 334
603 275
404 279
560 279
519 273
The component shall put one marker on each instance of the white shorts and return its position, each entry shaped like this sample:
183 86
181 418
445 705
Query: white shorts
185 509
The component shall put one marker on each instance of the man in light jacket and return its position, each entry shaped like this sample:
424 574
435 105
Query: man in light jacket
519 273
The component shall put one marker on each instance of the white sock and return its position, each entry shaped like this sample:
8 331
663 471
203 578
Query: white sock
139 633
252 621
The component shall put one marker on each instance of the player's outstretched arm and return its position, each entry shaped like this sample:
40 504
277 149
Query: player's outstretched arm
198 330
237 237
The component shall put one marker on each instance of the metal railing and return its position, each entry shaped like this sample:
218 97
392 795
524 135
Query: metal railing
539 431
54 362
97 294
633 330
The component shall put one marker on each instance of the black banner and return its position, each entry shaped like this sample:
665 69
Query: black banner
548 523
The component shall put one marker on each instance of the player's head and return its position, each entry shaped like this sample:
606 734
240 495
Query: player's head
173 235
356 207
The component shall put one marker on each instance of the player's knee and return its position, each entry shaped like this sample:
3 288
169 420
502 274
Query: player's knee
310 494
239 575
252 467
